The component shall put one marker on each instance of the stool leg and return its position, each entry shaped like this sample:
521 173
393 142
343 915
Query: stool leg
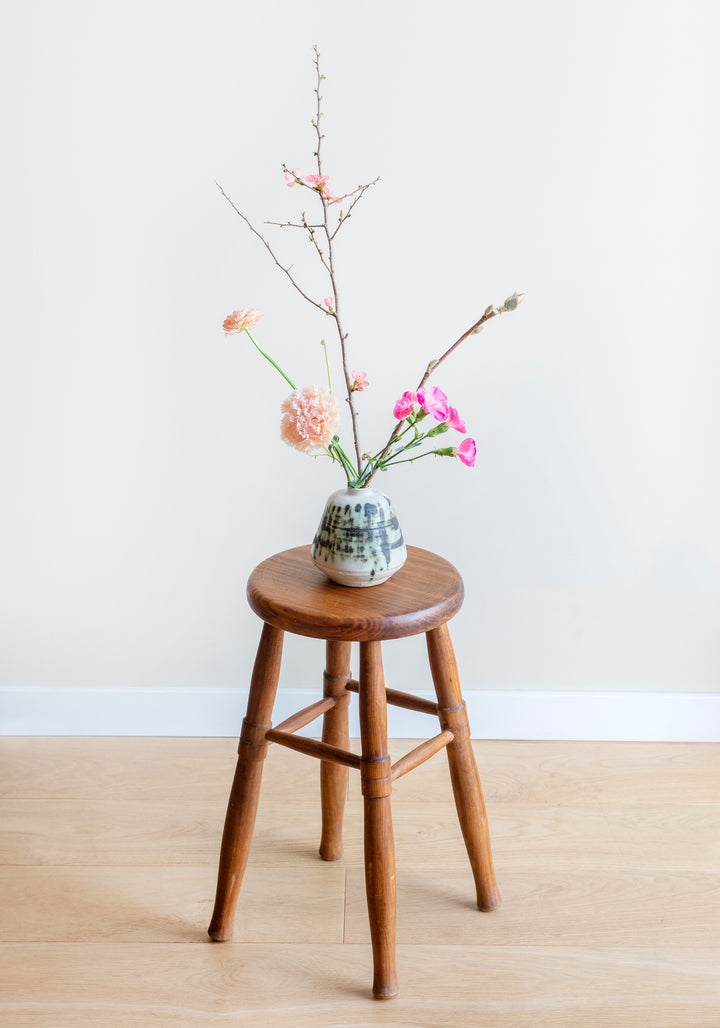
463 769
334 777
242 806
379 843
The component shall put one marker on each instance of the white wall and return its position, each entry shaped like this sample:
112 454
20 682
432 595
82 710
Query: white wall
566 149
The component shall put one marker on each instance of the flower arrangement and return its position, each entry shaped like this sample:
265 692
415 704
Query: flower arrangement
310 415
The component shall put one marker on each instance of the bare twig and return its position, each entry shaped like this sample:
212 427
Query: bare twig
269 249
291 224
361 192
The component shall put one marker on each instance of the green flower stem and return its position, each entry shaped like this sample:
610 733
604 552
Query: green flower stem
354 480
409 460
268 358
327 365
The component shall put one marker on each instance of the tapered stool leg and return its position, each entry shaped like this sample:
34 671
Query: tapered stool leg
463 769
334 777
379 844
242 806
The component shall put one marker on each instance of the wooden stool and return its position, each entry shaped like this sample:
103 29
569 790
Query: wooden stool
290 594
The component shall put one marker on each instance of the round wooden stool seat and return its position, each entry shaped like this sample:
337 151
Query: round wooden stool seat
290 593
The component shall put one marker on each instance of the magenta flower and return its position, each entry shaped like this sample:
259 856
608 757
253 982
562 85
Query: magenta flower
466 452
292 176
455 421
434 401
360 381
310 418
405 406
238 321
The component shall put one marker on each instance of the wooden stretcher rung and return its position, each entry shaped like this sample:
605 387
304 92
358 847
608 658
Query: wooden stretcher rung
401 699
420 754
313 748
306 715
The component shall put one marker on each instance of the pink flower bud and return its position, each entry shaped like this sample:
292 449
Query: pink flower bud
329 303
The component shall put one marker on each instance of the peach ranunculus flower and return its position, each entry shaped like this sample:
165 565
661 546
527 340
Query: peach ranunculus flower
310 418
238 321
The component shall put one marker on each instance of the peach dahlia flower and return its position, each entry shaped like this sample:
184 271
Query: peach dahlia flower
310 418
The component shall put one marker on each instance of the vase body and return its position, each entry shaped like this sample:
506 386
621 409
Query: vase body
359 541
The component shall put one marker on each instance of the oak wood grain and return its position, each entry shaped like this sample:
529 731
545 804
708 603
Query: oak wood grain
289 592
608 852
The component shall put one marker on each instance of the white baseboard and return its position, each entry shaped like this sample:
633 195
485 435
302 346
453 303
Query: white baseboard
591 716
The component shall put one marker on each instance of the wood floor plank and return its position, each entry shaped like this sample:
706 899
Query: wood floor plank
173 986
583 909
138 769
168 904
606 855
572 773
539 772
102 832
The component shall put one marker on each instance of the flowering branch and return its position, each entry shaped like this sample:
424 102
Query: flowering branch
310 415
321 184
510 304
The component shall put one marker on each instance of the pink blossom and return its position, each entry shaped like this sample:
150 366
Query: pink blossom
466 452
310 418
319 181
405 406
329 303
360 380
434 401
455 421
292 176
238 321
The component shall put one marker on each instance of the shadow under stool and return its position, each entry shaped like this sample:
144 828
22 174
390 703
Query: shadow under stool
290 595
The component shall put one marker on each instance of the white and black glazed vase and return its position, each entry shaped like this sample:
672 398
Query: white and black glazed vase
359 541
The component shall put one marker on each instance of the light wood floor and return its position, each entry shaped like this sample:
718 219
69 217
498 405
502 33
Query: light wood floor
607 856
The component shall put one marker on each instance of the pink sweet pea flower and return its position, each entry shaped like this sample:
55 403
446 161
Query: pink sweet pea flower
360 381
434 401
238 321
292 176
466 452
455 421
405 406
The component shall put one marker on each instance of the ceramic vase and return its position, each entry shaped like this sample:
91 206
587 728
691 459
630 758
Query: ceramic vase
358 541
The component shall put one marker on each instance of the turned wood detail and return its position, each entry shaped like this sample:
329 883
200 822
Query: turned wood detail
467 790
245 791
290 594
333 773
